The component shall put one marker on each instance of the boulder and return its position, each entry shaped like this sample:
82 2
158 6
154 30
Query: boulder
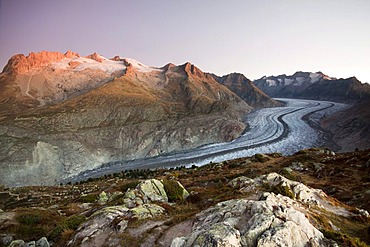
151 190
17 243
147 211
42 242
103 198
108 222
270 221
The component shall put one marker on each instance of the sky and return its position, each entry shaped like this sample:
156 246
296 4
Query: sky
253 37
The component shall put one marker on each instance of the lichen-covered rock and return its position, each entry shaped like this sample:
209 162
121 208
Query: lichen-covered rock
42 242
151 190
108 222
274 220
147 211
219 234
101 225
103 197
243 183
17 243
300 191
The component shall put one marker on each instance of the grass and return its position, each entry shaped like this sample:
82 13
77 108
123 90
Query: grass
34 223
173 190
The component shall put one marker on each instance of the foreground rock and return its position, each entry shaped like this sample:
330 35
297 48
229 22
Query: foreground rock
105 225
274 220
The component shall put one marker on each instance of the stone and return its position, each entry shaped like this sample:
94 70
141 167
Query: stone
110 221
147 211
219 234
103 197
300 191
31 244
273 220
42 242
17 243
241 182
1 211
151 190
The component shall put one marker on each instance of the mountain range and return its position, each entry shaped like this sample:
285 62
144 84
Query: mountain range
318 86
62 114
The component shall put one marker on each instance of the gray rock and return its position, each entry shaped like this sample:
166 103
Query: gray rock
17 243
111 221
151 190
42 242
31 244
103 197
274 220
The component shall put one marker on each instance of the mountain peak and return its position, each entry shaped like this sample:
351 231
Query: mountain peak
20 63
95 56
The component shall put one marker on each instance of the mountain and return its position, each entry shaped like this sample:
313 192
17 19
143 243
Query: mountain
246 90
314 86
62 114
350 129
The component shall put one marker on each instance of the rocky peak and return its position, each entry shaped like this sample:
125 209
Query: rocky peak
191 69
116 58
71 54
22 64
95 56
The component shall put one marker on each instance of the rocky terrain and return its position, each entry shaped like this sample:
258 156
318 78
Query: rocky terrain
61 114
350 129
246 90
312 198
316 86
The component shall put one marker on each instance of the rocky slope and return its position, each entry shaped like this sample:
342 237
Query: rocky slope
314 86
265 200
350 129
62 114
246 90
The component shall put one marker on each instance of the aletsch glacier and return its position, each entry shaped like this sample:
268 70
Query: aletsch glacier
279 129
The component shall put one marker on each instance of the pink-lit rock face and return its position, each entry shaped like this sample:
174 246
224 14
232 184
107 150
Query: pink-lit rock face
91 110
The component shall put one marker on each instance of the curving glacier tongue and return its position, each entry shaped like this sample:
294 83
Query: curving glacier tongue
280 129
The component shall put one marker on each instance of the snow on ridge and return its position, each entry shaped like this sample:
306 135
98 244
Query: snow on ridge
300 81
107 65
315 77
139 66
271 82
288 81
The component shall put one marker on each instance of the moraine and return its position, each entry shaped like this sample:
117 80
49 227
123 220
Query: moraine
279 129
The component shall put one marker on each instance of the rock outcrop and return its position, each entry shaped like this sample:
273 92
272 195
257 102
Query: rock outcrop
274 220
62 114
246 90
279 218
106 224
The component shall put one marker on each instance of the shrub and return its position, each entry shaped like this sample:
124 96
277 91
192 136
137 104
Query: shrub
173 190
90 198
130 185
261 158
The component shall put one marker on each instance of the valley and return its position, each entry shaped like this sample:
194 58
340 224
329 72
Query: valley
270 130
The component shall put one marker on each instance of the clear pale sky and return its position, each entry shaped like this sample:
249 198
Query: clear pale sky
256 38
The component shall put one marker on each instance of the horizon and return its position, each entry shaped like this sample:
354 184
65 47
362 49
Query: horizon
255 38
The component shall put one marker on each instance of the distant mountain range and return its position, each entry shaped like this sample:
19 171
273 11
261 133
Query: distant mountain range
314 86
62 114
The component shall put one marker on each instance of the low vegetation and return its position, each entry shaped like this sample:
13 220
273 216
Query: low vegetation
343 176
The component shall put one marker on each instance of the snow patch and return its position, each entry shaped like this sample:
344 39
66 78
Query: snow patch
315 77
271 82
288 81
299 81
141 67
